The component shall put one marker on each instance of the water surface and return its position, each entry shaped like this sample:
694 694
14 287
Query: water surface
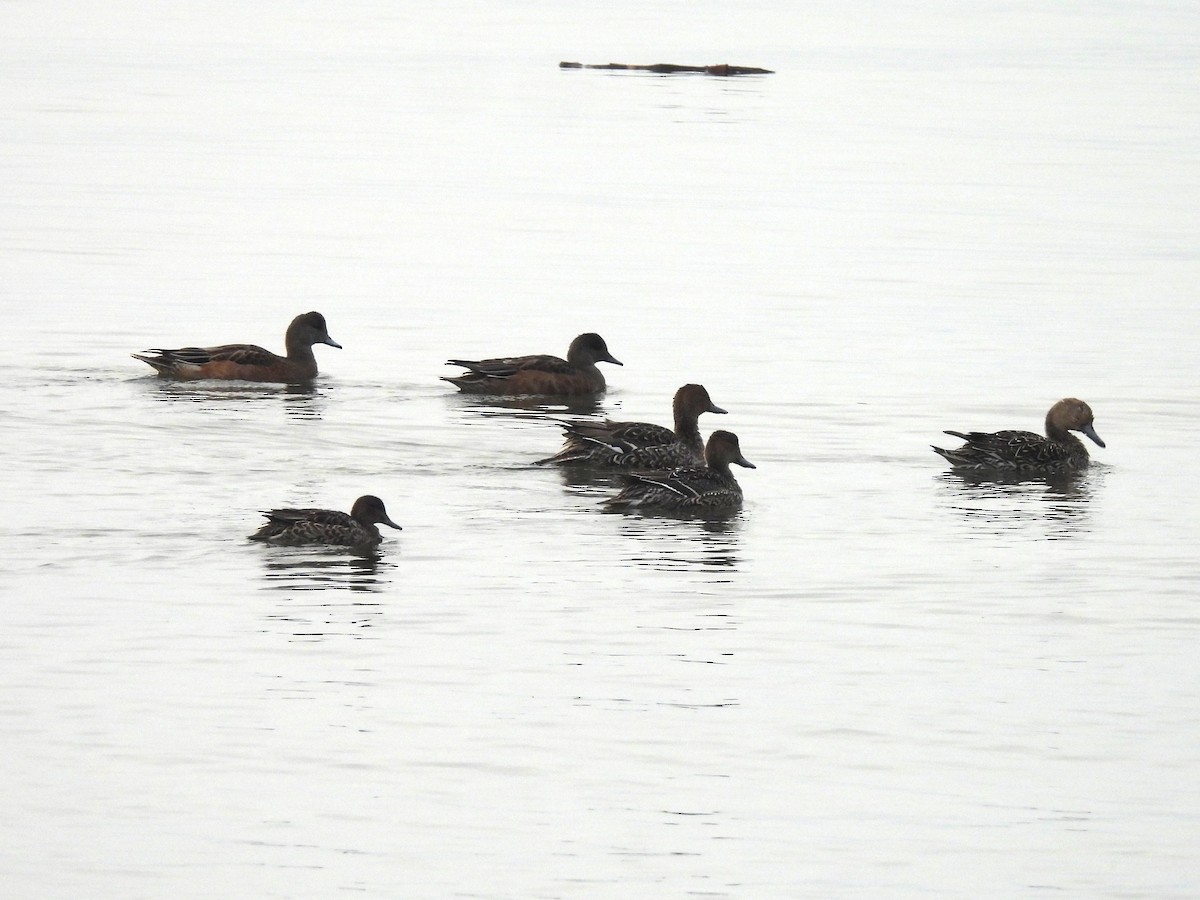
879 679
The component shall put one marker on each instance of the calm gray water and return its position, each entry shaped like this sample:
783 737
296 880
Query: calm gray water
878 680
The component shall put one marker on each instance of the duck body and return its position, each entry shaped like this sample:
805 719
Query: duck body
710 488
297 527
1024 452
247 362
641 445
538 374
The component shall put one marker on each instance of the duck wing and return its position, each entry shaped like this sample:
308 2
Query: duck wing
508 366
624 444
621 437
242 354
294 527
315 516
1006 450
686 482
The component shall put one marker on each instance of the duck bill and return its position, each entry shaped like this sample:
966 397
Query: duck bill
390 524
1091 432
612 359
331 342
742 461
713 408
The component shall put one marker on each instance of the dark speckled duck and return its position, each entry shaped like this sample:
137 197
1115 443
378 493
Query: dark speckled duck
1025 452
294 527
641 445
574 376
247 362
711 489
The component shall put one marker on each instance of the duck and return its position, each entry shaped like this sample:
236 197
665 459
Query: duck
541 375
1026 452
711 488
641 445
247 362
295 527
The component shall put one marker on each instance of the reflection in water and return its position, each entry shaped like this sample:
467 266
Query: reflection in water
319 569
674 542
588 477
328 591
303 402
540 407
1004 504
300 401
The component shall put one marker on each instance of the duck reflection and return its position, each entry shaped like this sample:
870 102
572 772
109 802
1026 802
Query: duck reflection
668 542
591 480
535 406
325 568
303 401
300 401
1050 506
323 593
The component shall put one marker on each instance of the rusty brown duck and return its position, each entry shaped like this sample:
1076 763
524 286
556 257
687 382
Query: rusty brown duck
248 362
541 374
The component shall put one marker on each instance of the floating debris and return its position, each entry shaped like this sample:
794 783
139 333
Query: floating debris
724 69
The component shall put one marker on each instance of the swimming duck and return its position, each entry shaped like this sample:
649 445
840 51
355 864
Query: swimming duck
691 489
293 527
1023 451
640 445
246 362
546 375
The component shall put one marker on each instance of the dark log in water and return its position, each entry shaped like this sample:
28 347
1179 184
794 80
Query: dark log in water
670 68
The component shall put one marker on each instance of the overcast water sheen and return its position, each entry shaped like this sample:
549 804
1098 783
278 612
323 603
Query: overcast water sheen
878 679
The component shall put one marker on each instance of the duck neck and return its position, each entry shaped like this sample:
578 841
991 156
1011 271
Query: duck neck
301 352
371 531
720 467
687 429
1064 437
593 372
1057 433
